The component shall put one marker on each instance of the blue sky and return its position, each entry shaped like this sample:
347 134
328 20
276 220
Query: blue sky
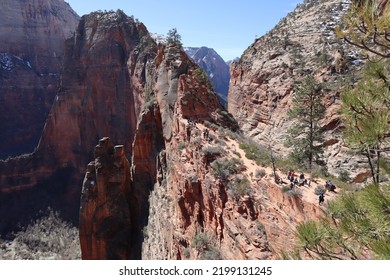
228 26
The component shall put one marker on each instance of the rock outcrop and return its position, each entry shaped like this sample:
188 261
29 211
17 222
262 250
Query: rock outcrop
262 81
32 36
215 67
105 224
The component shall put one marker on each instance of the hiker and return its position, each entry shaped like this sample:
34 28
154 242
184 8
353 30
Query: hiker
330 186
289 174
291 185
206 134
321 199
295 181
302 180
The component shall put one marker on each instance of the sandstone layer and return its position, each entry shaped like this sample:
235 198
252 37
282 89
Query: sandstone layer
262 81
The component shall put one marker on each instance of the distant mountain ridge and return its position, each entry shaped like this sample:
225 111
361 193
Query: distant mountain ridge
215 67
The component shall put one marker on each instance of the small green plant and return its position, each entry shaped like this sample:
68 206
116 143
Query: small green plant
186 253
200 75
294 193
213 151
254 152
237 154
260 227
181 146
319 190
260 173
344 175
222 168
204 244
240 185
173 37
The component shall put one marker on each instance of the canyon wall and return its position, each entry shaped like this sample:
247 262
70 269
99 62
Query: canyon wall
263 80
32 36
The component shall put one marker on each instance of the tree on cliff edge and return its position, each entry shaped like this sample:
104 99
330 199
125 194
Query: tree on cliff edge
306 136
173 37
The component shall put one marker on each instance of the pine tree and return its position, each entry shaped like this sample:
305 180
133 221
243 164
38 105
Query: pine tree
173 37
306 136
366 25
359 222
366 114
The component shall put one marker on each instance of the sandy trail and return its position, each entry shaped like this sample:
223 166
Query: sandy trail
232 146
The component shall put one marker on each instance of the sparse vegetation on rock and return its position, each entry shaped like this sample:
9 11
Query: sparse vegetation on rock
47 238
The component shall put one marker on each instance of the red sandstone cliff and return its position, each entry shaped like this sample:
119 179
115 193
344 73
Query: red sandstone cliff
169 203
32 35
179 208
104 78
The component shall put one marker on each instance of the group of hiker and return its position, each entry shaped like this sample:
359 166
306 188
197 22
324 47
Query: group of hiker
301 181
294 181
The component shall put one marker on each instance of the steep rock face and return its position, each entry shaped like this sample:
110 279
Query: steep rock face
102 88
32 37
215 67
193 214
262 81
105 223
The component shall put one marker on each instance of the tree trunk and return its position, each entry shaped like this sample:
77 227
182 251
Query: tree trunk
378 157
371 166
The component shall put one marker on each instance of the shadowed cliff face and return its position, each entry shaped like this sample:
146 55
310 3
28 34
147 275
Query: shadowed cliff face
105 72
32 35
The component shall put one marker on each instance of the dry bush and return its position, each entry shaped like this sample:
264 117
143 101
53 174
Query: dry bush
47 238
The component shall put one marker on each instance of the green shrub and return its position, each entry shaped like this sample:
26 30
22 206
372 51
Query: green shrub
240 185
319 190
237 154
204 244
254 152
201 242
294 193
181 146
213 151
222 167
260 227
344 175
260 173
212 254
